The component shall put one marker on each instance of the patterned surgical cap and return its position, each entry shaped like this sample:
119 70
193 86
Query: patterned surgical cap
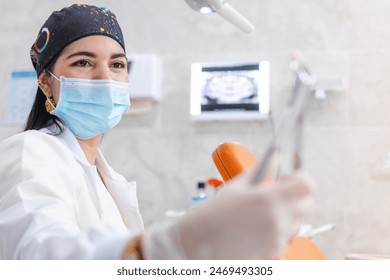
68 25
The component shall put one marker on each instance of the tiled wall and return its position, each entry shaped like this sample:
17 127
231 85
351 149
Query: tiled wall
167 153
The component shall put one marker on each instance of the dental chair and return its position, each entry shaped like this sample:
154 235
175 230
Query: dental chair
231 159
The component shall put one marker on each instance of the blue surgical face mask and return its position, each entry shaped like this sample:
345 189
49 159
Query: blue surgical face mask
91 107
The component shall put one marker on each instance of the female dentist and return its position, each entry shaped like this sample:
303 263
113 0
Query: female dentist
59 199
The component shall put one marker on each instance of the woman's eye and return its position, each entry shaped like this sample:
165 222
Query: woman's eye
82 63
118 65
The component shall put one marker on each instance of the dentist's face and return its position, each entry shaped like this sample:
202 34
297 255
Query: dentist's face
93 57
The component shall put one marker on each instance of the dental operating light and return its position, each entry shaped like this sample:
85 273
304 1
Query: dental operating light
224 9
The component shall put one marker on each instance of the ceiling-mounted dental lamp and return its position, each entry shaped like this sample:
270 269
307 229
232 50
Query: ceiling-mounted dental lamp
224 9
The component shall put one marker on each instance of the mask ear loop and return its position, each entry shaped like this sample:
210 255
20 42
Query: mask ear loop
49 103
54 76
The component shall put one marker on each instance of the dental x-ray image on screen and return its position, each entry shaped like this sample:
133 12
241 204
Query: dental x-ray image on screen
230 90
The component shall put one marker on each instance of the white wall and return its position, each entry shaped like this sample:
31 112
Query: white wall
166 153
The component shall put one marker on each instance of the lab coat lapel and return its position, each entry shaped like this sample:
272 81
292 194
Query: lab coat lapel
124 194
71 142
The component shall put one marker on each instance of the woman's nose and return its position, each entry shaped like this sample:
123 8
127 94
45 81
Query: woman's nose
102 73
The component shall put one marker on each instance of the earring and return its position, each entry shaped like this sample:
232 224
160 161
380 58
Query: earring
49 104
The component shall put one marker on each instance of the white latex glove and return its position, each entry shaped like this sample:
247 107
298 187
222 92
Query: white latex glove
241 222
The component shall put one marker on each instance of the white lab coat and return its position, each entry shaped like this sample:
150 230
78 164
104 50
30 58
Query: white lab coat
53 204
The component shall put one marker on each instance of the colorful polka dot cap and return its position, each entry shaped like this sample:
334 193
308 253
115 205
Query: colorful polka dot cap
68 25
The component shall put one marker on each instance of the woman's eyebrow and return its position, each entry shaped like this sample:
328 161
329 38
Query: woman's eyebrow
93 55
82 53
117 55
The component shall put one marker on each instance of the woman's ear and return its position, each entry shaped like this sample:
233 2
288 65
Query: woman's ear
44 83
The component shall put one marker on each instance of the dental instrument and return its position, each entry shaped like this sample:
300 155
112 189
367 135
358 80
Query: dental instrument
292 119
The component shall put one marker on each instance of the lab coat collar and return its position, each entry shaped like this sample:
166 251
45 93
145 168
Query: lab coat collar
69 140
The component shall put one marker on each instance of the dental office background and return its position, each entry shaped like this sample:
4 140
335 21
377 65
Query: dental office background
159 145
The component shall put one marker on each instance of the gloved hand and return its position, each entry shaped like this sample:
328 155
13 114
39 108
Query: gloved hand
241 222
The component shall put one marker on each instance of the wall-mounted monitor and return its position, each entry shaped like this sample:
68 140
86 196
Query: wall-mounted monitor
230 91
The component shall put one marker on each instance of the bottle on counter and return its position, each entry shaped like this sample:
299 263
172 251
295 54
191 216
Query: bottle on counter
200 195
